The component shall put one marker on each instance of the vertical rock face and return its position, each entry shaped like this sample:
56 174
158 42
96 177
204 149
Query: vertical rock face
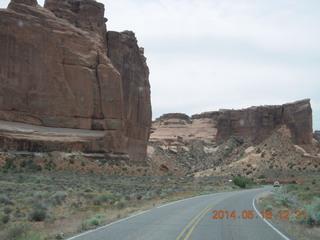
55 72
316 135
253 124
256 123
174 127
129 60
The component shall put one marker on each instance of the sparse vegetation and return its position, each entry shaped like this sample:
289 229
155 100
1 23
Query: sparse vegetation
38 215
242 182
292 198
37 200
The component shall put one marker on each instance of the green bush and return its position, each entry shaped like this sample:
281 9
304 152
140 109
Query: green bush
283 198
100 215
58 198
86 224
50 165
312 212
9 163
122 204
242 182
5 219
292 187
16 231
268 208
59 236
7 210
5 200
38 215
104 198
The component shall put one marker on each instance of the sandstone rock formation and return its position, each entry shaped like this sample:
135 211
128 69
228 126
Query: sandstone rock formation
130 62
253 124
316 136
257 123
174 126
55 72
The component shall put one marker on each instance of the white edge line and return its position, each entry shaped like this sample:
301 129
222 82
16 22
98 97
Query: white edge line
123 219
134 215
275 229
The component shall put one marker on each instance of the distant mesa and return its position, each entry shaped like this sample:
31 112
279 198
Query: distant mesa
253 124
61 68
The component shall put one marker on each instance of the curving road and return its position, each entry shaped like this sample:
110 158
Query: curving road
192 219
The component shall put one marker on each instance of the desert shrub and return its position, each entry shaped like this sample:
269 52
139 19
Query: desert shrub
33 167
104 198
38 215
283 198
58 198
86 224
268 208
122 204
7 210
262 176
242 182
100 215
9 164
147 196
43 205
50 165
313 213
59 236
5 219
16 231
292 187
209 188
5 200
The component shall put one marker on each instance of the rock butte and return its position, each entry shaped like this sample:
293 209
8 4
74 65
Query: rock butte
59 67
254 124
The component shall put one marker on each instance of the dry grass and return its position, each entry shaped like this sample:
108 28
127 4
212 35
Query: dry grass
72 201
293 197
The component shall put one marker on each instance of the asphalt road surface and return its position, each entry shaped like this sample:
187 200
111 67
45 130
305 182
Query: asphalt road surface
193 219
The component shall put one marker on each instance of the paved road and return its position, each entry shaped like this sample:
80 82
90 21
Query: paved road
192 219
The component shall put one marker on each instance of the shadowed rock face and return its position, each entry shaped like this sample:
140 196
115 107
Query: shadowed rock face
55 72
254 124
129 60
316 135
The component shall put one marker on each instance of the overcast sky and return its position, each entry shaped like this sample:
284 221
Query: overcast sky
205 55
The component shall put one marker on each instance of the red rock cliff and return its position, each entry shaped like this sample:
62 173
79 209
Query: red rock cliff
55 72
257 123
129 60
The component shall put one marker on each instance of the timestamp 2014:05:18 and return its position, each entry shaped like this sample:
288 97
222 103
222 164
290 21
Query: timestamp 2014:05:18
249 214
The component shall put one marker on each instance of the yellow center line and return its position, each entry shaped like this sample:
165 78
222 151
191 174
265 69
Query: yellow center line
197 219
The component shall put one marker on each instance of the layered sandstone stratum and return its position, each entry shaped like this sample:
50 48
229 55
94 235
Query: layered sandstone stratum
246 142
63 74
253 124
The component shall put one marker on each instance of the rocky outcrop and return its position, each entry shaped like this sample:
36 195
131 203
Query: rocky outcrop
130 62
55 72
252 124
174 127
257 123
316 136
